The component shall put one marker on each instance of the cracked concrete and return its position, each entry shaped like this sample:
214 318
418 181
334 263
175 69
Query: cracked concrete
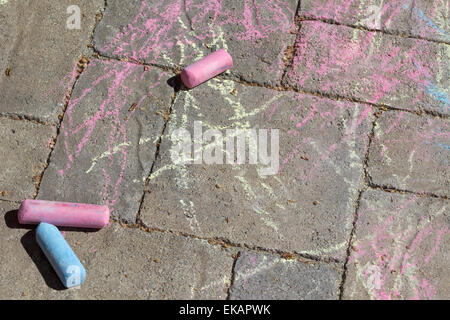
358 209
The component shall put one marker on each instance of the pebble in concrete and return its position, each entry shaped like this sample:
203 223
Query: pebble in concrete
176 32
262 276
411 152
400 249
420 18
40 53
108 137
25 148
372 67
308 206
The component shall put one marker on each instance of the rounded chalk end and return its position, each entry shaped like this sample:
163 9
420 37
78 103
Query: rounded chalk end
75 276
45 227
231 59
23 209
228 59
106 216
188 78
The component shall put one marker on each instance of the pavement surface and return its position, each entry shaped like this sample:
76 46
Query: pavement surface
359 91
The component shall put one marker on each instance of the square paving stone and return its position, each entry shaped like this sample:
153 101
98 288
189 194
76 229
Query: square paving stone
307 206
40 53
400 249
267 277
420 18
25 148
177 33
108 137
373 67
411 152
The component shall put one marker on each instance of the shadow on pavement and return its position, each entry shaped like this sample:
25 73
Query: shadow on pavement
45 268
33 250
12 222
176 83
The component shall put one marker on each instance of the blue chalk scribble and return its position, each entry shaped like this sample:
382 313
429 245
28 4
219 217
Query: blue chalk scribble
431 23
434 91
437 93
444 146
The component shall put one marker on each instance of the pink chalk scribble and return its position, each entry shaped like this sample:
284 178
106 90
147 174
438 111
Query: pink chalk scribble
250 271
172 32
392 253
322 112
369 66
162 33
427 20
79 126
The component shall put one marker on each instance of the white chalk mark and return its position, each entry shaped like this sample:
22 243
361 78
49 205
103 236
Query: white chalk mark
106 154
117 149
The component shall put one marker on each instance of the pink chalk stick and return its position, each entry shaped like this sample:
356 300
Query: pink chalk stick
206 68
64 214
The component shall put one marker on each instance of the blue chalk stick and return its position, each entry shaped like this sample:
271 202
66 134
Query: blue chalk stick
66 264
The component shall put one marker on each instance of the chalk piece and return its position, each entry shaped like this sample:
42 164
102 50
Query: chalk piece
64 214
62 258
206 68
